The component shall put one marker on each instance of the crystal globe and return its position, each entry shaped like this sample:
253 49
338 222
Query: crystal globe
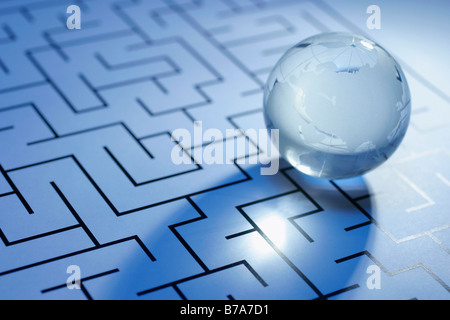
341 105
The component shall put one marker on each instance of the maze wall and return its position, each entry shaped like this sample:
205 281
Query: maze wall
86 177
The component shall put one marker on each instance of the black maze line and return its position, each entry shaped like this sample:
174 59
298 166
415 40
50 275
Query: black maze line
173 227
255 6
176 142
319 208
267 239
26 14
253 74
280 253
24 86
358 206
79 252
295 217
148 41
156 78
85 292
86 40
7 194
81 283
315 22
246 93
15 191
203 216
231 120
75 214
178 291
320 295
335 293
30 211
58 48
207 272
118 9
287 28
393 273
238 234
47 34
55 46
248 9
108 201
3 67
181 109
7 243
63 19
145 249
156 17
30 56
217 77
138 140
137 184
158 13
7 128
194 24
35 109
234 6
185 45
349 25
21 8
143 148
120 124
292 219
224 140
360 225
138 240
140 62
10 35
184 109
94 90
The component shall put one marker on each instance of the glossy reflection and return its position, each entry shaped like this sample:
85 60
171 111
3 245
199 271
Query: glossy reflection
341 104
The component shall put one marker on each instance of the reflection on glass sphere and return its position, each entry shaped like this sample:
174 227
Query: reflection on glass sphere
341 104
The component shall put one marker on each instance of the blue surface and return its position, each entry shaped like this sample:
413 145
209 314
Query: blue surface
86 177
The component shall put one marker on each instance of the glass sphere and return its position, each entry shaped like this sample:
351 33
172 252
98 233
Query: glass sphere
341 104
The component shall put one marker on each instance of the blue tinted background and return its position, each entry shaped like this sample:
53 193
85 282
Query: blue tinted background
86 176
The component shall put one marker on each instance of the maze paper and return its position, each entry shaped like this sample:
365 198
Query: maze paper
87 180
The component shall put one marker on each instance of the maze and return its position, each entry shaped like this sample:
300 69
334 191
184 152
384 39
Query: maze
86 178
